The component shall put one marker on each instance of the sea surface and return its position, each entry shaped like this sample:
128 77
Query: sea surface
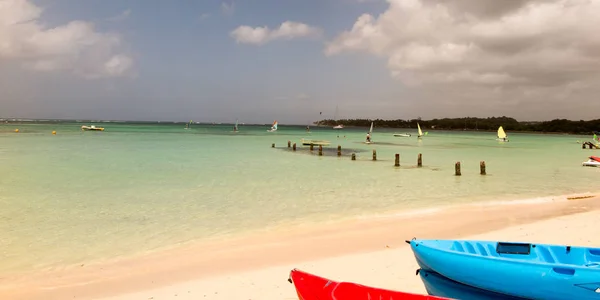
78 197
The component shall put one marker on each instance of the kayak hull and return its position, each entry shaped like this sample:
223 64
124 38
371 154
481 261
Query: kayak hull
438 285
312 287
556 272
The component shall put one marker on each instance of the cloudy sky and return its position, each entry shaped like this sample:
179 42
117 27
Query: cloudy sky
289 60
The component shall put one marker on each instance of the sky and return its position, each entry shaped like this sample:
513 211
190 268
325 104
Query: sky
264 60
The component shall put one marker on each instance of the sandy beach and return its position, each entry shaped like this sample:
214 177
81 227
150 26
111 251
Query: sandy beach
371 252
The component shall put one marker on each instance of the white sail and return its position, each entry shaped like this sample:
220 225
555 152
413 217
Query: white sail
501 133
371 130
235 128
419 129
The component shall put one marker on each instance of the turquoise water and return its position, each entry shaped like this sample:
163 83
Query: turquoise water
80 196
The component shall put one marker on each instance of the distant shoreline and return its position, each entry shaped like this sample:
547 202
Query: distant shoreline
557 126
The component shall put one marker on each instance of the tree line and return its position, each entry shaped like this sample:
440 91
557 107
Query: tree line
492 123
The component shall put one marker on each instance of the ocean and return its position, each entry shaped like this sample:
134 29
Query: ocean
78 197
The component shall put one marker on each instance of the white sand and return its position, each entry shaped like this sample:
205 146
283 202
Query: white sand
392 268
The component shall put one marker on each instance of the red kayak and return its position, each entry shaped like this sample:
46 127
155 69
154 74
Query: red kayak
596 158
312 287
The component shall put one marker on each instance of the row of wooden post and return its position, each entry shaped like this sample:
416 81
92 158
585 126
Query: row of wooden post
457 170
481 168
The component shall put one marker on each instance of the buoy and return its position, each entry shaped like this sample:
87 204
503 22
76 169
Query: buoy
54 132
17 130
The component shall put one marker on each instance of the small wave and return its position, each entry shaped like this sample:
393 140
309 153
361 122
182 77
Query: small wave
405 214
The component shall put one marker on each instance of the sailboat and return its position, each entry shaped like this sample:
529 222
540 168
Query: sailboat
369 140
235 127
273 127
187 126
420 132
340 126
502 137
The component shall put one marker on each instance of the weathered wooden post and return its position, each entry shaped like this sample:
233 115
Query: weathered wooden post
339 150
311 147
353 156
320 150
397 161
273 145
374 154
457 168
294 147
482 167
420 160
289 144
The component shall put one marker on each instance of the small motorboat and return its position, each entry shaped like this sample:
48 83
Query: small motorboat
312 287
92 128
402 134
593 161
338 127
524 270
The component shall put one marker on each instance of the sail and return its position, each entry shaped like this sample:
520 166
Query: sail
371 130
419 128
501 133
274 125
236 125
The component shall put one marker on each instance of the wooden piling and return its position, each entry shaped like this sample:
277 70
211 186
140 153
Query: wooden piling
374 154
397 161
420 160
482 167
289 144
320 150
457 168
273 145
353 156
312 147
294 147
339 150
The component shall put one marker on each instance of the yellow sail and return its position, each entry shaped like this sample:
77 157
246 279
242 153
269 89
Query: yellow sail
501 133
419 128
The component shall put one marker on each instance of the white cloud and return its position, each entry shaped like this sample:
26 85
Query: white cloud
76 46
227 8
121 16
204 16
478 43
287 30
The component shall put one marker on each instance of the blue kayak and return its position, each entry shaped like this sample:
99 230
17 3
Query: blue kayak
533 271
440 286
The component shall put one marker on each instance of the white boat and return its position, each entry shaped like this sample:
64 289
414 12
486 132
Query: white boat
339 126
369 138
402 134
502 137
273 127
593 161
92 128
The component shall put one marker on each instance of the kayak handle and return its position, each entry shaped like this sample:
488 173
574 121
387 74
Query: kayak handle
564 271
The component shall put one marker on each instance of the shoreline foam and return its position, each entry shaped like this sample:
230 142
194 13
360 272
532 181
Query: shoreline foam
276 247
